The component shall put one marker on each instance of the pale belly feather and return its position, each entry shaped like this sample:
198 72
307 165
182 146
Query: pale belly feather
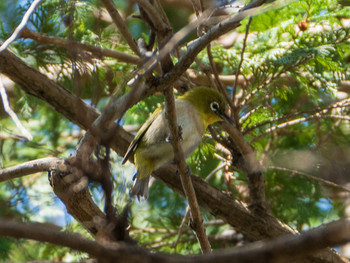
158 149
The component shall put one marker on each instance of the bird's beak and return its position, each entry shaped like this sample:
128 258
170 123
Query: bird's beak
225 117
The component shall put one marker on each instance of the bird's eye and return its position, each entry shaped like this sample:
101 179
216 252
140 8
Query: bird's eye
214 106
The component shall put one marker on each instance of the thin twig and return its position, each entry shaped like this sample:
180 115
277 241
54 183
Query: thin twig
248 114
182 227
185 218
20 26
323 181
224 238
269 80
217 79
196 7
197 223
11 113
300 120
201 79
241 60
317 111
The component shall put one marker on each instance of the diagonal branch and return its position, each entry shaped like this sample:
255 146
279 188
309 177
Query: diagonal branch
11 113
221 28
317 112
38 232
118 20
157 20
289 123
20 26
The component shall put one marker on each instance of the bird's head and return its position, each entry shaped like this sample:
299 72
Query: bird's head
209 103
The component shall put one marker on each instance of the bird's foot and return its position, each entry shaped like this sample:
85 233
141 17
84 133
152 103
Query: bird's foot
188 170
180 132
168 137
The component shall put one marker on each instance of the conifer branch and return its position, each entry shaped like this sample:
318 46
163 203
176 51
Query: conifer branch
337 105
303 119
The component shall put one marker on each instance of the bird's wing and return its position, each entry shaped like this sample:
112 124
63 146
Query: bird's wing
138 137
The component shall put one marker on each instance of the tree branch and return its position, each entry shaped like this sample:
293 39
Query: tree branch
309 176
35 166
118 20
278 250
68 44
256 182
221 28
20 26
157 21
240 63
118 252
11 113
197 223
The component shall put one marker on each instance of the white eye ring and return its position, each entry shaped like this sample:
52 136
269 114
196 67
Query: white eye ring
214 106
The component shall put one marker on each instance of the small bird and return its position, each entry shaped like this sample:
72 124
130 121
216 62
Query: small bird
152 148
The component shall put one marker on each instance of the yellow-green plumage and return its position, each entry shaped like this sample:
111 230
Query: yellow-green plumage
151 146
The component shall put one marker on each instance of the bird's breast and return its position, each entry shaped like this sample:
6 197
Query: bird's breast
156 140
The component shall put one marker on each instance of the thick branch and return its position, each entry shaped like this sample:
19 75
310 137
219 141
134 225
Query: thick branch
38 85
280 250
119 252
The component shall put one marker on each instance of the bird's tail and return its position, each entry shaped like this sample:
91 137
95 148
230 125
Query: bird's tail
140 188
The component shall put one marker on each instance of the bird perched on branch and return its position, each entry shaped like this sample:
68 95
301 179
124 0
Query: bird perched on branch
152 148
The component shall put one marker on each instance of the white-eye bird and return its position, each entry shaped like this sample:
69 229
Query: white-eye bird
152 148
